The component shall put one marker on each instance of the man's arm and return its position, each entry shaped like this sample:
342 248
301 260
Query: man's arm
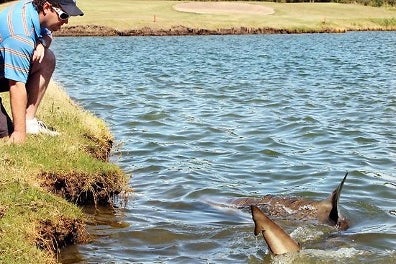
18 101
46 40
43 43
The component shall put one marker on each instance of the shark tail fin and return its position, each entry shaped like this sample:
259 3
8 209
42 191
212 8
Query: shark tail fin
278 241
334 199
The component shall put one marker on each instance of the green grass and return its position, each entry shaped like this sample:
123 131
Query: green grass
67 153
132 14
26 170
26 205
125 15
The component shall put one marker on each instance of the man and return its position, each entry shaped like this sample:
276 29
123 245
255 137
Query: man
26 63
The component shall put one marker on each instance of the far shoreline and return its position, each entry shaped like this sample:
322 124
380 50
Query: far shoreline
103 31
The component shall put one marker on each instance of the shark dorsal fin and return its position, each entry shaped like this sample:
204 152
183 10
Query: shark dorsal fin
278 241
334 199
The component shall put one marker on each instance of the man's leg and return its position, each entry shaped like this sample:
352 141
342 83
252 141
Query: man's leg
37 83
39 77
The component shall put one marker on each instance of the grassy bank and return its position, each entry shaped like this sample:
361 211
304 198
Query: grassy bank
132 17
42 181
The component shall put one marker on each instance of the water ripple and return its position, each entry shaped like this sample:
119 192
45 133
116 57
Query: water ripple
208 118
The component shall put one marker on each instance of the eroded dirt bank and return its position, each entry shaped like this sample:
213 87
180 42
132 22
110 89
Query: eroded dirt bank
95 30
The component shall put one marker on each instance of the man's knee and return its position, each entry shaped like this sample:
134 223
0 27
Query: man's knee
49 59
47 65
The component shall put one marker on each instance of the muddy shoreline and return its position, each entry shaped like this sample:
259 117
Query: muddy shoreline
102 31
95 30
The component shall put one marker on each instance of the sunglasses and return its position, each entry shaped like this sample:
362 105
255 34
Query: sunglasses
61 14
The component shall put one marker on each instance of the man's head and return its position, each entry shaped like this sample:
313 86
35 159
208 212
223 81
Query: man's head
68 6
55 13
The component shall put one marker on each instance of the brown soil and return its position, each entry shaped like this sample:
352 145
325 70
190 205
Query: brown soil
54 236
99 148
82 189
98 191
95 30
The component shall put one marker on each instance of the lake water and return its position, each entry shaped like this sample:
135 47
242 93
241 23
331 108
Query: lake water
199 120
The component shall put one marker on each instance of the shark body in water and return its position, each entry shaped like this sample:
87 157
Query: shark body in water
325 211
278 240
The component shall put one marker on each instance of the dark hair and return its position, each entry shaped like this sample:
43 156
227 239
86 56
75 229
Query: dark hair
40 3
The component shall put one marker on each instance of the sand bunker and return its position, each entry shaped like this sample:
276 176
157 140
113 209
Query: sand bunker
223 8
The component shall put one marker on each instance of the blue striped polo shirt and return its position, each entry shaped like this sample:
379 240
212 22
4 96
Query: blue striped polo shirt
19 31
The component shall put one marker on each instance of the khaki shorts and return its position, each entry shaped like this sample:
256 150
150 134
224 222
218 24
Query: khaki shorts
6 126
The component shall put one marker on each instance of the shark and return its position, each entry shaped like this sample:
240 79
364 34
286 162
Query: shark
278 241
325 211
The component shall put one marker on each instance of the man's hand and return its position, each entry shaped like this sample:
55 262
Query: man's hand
17 137
38 54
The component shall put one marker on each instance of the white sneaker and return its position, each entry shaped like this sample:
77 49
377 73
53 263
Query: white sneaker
34 126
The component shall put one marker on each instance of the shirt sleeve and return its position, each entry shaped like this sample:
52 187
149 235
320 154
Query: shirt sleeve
18 51
45 32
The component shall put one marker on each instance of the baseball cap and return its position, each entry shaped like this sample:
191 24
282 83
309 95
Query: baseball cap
70 7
